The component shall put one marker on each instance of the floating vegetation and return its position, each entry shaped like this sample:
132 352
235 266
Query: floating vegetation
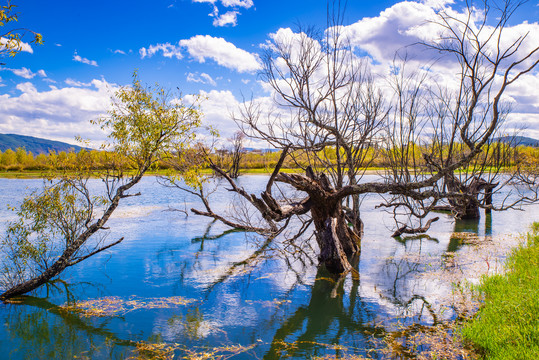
216 353
467 238
441 340
269 303
159 351
428 342
166 351
117 306
285 349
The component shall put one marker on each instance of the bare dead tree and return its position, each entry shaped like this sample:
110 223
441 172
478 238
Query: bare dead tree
461 120
236 154
329 114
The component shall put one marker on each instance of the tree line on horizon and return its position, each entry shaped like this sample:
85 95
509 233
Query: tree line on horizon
22 160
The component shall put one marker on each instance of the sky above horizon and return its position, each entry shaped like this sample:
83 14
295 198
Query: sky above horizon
208 47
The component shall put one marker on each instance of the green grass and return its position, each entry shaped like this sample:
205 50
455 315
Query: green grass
507 324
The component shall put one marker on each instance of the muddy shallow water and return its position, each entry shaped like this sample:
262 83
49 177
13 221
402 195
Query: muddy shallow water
178 287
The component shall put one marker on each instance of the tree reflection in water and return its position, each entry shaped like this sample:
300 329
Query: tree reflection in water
320 326
38 329
253 301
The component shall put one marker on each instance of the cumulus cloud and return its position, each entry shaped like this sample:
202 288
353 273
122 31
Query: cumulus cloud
57 113
217 107
77 83
203 78
378 39
405 23
26 73
168 50
228 3
228 18
224 53
78 58
20 46
237 3
203 47
118 51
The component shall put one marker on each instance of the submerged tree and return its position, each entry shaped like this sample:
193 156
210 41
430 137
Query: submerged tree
229 157
58 226
461 122
330 110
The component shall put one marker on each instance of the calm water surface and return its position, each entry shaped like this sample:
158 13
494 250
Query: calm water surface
270 306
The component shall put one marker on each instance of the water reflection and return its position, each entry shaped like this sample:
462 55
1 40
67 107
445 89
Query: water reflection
39 329
252 298
464 229
320 326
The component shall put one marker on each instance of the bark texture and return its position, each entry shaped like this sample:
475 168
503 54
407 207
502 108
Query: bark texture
336 239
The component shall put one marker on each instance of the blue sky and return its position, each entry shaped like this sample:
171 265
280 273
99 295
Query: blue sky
209 46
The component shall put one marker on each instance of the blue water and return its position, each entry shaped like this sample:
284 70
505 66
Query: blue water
277 305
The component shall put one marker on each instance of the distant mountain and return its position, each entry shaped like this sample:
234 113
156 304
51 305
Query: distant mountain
518 140
34 144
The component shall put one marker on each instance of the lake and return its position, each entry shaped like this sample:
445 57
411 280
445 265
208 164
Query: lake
182 286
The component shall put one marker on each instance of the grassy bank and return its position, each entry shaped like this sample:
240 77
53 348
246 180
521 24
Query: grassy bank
507 324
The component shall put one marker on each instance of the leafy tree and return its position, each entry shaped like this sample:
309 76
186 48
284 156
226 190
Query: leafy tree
8 158
11 38
58 226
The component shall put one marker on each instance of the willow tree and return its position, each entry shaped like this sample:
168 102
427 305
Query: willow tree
330 111
59 226
11 38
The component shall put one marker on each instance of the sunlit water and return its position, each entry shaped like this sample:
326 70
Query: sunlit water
267 309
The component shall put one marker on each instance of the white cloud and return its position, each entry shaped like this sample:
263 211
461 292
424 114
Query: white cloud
224 53
217 107
202 47
237 3
437 4
395 28
57 113
26 73
77 83
228 3
20 46
167 49
118 51
80 59
409 22
228 18
203 78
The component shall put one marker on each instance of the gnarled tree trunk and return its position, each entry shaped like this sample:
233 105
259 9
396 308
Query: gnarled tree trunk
467 206
336 239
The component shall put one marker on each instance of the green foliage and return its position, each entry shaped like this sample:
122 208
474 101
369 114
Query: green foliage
11 39
59 211
148 124
507 325
56 227
8 158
